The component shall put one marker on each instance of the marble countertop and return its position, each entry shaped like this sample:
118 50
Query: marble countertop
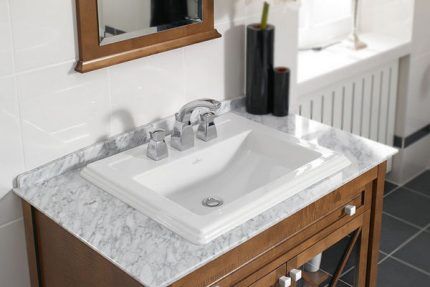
141 247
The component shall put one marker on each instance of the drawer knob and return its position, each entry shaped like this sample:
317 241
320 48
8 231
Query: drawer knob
296 274
284 281
350 210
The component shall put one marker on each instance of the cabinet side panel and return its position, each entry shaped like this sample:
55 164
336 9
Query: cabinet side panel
27 212
67 262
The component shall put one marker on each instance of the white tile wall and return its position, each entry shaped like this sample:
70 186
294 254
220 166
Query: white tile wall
418 97
10 208
421 31
6 51
13 255
43 32
11 157
229 11
215 70
146 89
414 102
286 44
48 110
418 102
388 17
61 111
411 161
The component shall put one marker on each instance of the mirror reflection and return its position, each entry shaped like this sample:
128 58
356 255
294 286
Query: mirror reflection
126 19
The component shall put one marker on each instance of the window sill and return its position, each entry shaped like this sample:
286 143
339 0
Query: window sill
319 69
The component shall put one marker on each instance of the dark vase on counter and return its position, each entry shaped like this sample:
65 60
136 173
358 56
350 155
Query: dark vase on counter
259 66
281 90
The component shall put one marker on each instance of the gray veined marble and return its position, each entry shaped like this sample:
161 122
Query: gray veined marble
144 249
102 150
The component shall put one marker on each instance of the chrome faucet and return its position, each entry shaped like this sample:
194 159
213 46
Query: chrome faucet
207 129
157 147
183 133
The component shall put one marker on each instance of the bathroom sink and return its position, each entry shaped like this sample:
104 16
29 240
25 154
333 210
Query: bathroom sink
208 190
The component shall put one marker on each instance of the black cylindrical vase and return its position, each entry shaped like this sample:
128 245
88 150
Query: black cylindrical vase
281 91
259 66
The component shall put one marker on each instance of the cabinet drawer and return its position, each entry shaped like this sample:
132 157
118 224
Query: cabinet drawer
269 280
292 247
336 206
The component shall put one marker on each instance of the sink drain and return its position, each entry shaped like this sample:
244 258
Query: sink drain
212 202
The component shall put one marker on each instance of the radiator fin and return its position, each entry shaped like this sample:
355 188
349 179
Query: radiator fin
364 105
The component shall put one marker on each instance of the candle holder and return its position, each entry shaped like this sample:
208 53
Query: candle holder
353 41
280 91
259 66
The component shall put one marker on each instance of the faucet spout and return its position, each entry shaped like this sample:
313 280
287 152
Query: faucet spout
183 133
184 114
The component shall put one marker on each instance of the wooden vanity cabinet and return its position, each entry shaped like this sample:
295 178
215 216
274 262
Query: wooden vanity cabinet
355 230
59 259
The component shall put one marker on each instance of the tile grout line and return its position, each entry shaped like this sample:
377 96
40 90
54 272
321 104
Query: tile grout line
331 276
383 259
17 72
410 265
109 87
390 192
15 83
346 283
416 192
407 241
41 68
347 271
12 39
20 121
419 232
11 222
409 179
343 274
402 220
392 182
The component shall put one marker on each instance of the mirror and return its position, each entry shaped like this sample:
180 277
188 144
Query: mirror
115 31
127 19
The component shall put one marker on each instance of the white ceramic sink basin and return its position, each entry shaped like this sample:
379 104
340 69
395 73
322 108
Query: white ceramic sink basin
249 168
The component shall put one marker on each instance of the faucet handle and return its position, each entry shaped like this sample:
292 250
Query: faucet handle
157 147
207 129
157 135
207 117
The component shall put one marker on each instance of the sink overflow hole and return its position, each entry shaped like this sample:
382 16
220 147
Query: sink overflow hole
212 202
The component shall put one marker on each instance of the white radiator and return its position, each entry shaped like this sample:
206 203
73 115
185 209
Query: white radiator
364 105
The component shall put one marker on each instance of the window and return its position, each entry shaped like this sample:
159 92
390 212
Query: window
323 22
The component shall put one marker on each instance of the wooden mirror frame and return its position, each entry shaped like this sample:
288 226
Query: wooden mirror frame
93 56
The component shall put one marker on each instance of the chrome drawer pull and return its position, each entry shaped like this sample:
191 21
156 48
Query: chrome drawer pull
296 274
284 281
350 210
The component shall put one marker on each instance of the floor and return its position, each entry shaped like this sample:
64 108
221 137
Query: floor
405 243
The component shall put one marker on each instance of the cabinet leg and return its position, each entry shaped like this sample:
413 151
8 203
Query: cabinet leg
375 226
